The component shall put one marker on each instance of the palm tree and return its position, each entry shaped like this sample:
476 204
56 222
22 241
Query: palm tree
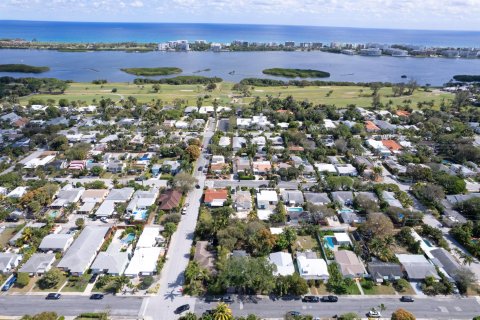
120 282
222 312
377 172
27 235
467 259
361 167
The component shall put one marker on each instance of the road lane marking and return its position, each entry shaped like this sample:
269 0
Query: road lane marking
241 305
458 308
443 309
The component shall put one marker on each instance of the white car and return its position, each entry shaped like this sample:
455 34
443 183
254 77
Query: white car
374 314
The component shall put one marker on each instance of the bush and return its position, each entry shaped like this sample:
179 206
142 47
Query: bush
22 279
146 282
349 316
173 217
401 285
367 284
402 314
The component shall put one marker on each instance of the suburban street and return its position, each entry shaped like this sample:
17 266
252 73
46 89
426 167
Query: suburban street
70 305
422 308
170 297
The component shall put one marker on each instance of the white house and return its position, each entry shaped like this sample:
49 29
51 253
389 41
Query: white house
284 263
266 198
311 267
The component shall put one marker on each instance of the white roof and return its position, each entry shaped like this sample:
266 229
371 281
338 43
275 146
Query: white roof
264 214
267 195
342 237
325 167
144 261
284 263
149 237
37 162
329 124
346 168
224 141
106 209
18 192
312 267
276 230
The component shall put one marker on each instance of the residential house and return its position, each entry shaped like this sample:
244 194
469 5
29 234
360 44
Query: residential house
342 239
9 261
443 259
311 267
38 264
115 166
350 265
171 166
325 167
384 271
142 200
112 262
266 198
169 200
261 167
344 198
59 242
293 197
18 192
81 254
146 254
316 198
238 143
215 197
243 202
224 142
346 169
242 164
204 257
417 267
67 196
392 145
371 127
283 262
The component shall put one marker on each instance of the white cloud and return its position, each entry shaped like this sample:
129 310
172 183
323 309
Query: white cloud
136 4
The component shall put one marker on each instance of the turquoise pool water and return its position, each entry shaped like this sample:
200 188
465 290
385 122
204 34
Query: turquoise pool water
139 215
427 243
128 238
54 214
345 211
295 209
329 242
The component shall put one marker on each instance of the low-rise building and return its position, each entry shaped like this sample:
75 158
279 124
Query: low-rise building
311 267
38 264
9 261
58 242
215 197
417 267
350 265
384 271
283 262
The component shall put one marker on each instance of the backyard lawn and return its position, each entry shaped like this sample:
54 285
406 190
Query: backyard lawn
6 235
304 243
379 289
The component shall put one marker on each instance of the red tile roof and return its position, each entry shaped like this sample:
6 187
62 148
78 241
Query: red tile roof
391 145
370 126
215 194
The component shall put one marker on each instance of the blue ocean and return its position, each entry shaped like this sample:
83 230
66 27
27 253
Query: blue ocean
158 32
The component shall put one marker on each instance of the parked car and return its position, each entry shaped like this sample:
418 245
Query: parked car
329 299
228 299
374 314
9 283
182 308
96 296
213 299
93 278
407 299
197 186
293 313
200 168
310 299
184 210
104 219
53 296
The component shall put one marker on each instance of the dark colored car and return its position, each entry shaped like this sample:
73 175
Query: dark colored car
182 308
310 299
93 278
228 299
329 299
96 296
407 299
213 299
197 186
200 168
9 283
53 296
293 313
12 218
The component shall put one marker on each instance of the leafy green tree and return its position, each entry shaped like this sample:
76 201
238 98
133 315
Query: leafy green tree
50 279
41 316
184 182
22 279
222 312
80 223
170 229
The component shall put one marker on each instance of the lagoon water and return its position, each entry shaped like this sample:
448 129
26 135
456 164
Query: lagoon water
88 66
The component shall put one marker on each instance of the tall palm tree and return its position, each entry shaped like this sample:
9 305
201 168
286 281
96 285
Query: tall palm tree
377 172
467 259
222 312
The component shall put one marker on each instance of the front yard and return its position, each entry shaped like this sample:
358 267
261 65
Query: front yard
77 284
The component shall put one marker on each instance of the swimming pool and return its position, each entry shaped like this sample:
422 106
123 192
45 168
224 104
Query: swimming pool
328 241
139 215
427 243
345 211
54 214
295 209
128 238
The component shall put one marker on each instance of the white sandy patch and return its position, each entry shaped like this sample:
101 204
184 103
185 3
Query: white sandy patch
259 90
186 90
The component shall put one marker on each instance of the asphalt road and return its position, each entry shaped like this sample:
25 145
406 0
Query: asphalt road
70 305
170 297
422 308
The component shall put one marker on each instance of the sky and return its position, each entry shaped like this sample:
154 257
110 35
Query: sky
395 14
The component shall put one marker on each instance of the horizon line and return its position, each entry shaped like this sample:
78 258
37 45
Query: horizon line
245 24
